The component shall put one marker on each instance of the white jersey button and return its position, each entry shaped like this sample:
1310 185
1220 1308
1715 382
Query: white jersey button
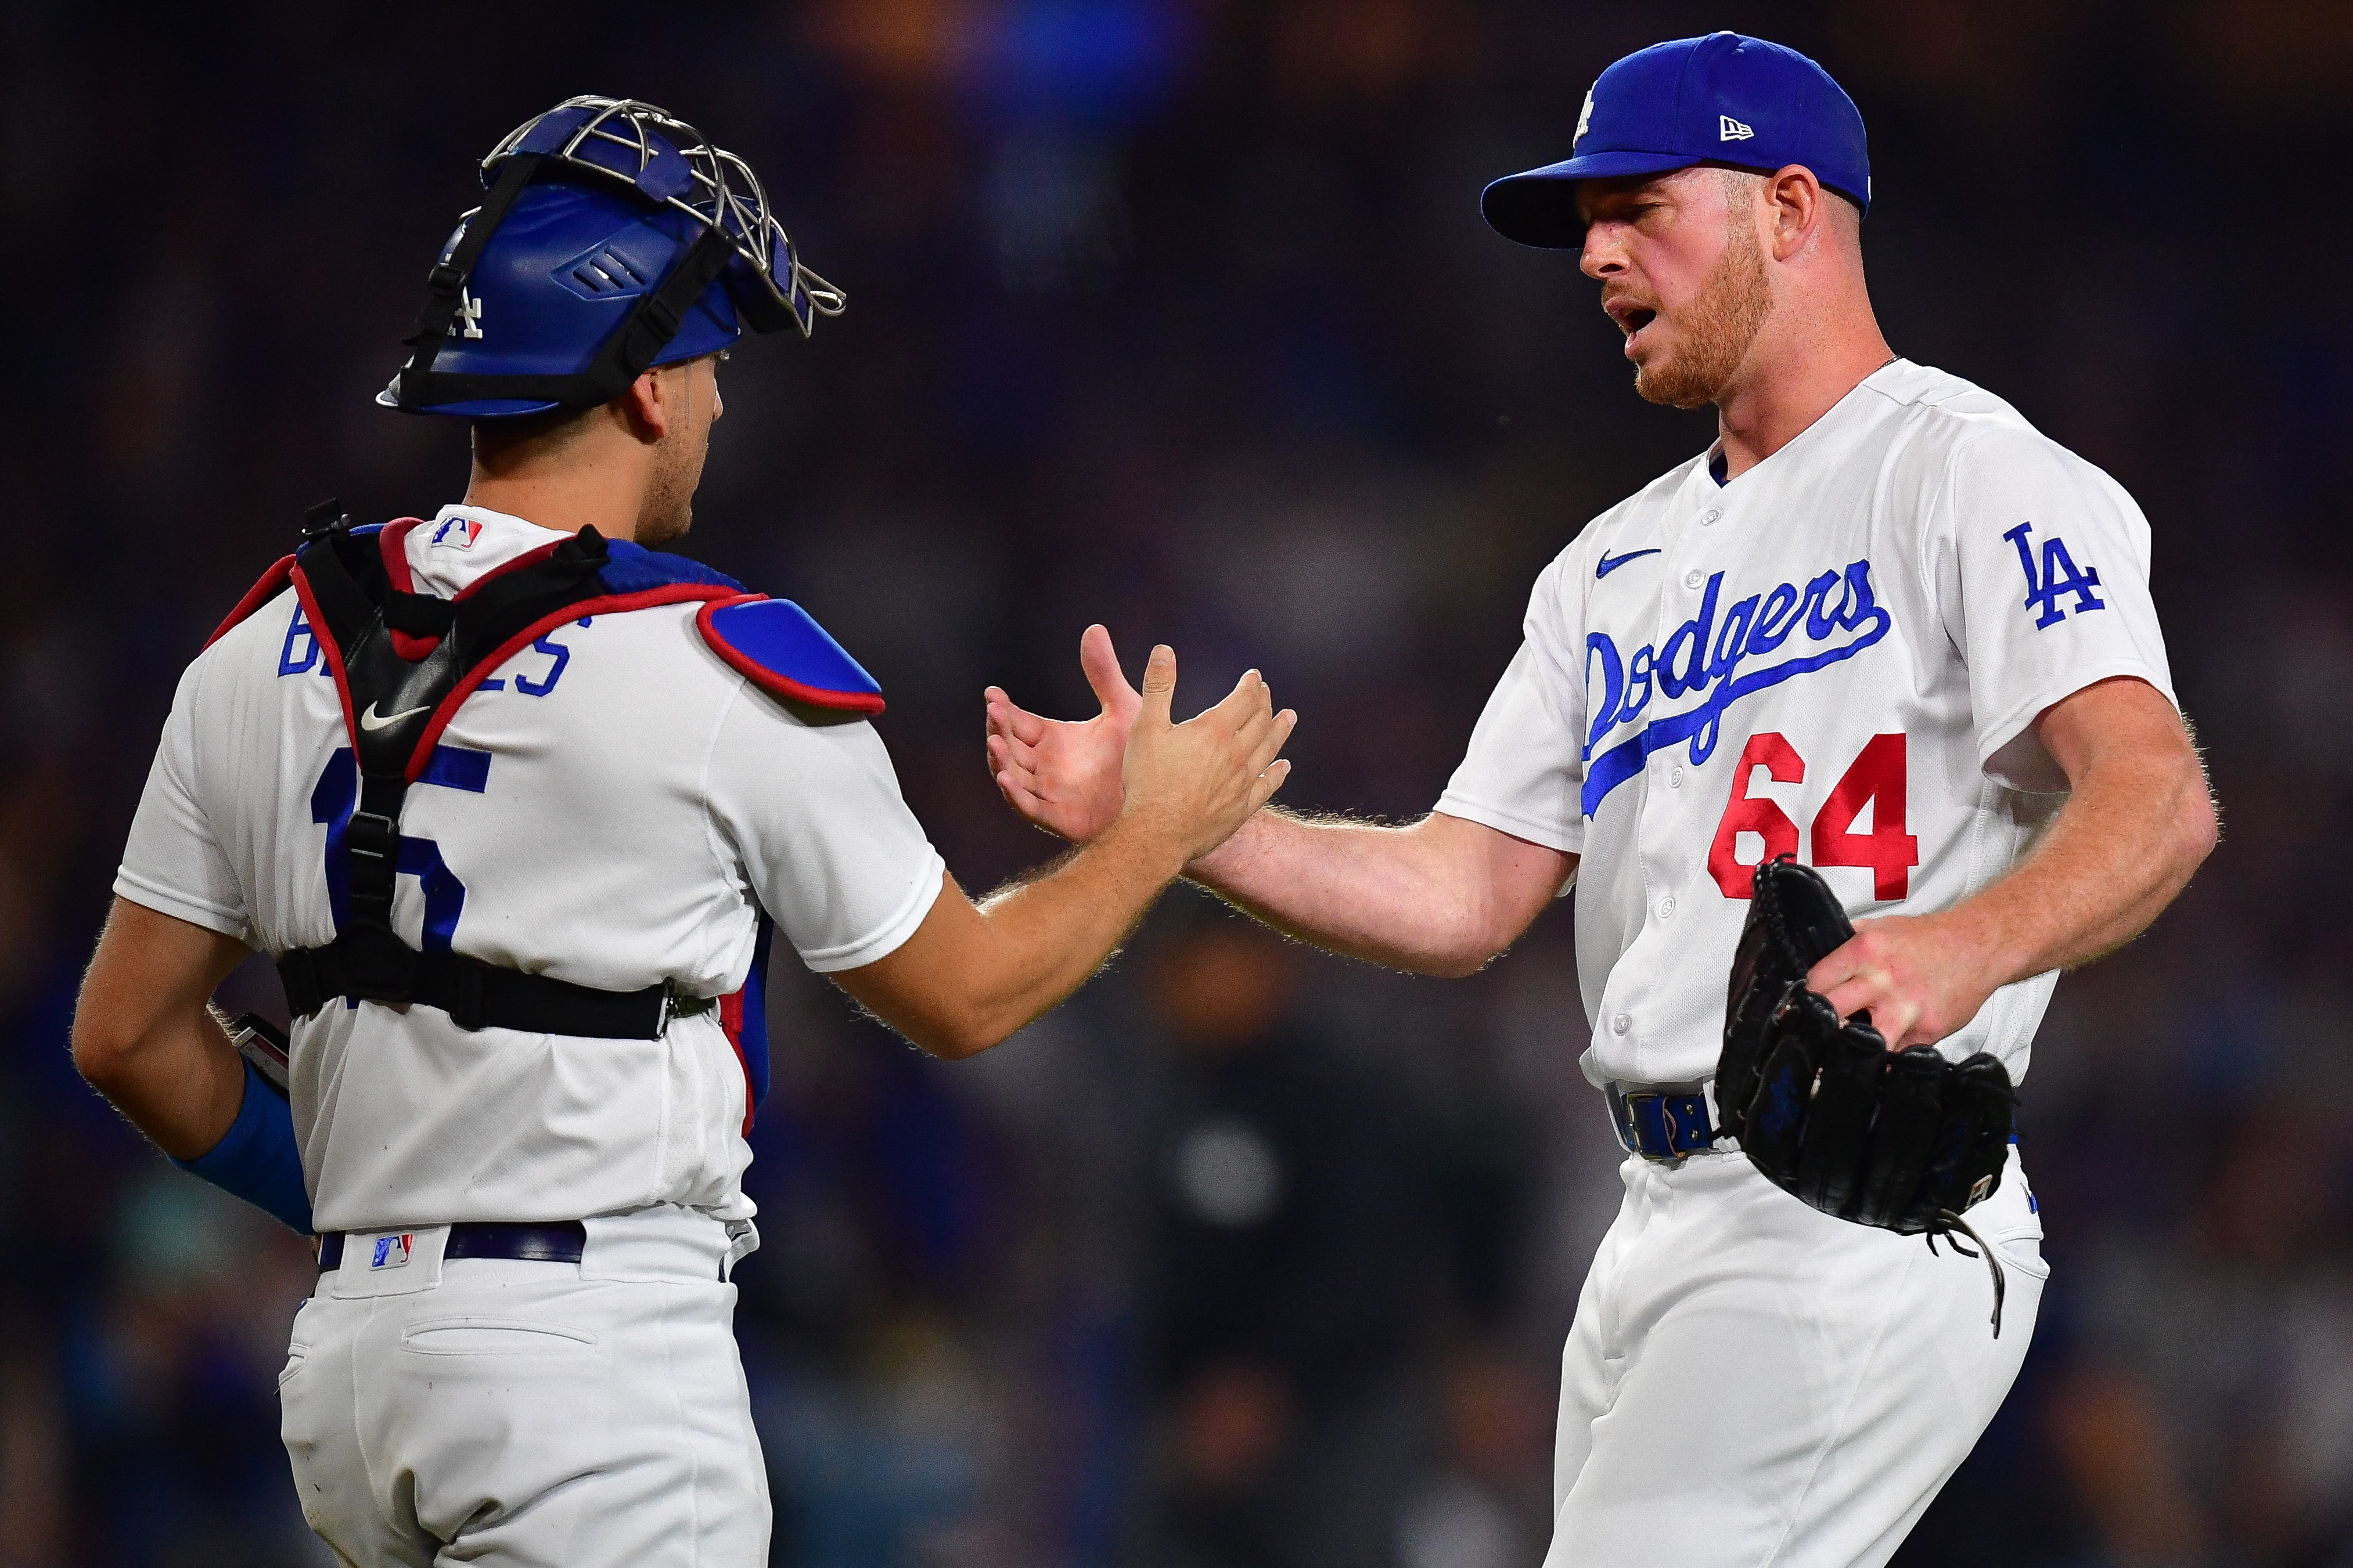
1667 908
1621 1024
1675 778
1709 516
1692 579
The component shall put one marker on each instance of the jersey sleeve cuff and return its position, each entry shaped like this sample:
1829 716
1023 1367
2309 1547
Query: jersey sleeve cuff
150 894
1994 737
892 933
1569 839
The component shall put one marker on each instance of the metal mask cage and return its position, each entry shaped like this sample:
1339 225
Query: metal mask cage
647 149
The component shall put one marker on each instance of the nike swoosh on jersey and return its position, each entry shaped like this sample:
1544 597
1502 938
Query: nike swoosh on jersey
1608 563
371 720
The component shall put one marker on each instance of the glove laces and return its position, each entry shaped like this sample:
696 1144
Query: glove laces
1946 1223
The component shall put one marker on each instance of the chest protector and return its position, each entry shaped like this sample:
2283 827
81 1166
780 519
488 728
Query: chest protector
403 661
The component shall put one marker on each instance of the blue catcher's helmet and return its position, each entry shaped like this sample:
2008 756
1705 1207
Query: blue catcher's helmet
615 238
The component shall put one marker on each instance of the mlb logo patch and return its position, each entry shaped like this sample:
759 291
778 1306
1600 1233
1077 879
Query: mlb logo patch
392 1251
458 532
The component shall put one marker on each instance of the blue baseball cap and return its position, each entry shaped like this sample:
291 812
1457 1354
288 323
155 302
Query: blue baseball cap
1723 98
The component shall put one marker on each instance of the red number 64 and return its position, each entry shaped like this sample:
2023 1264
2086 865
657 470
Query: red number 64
1875 779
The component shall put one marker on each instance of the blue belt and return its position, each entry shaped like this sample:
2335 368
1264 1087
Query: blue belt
1662 1126
559 1243
1659 1125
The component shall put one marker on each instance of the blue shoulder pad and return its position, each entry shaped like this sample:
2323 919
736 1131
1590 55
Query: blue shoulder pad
631 568
773 644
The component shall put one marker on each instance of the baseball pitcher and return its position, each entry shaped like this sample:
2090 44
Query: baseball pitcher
1884 651
515 800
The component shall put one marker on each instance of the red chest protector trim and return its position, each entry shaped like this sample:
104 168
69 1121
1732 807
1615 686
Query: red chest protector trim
772 643
403 662
273 583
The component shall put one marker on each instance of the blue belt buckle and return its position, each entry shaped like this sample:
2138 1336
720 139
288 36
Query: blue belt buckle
1663 1127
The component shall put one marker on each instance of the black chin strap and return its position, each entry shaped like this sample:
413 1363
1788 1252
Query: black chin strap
445 286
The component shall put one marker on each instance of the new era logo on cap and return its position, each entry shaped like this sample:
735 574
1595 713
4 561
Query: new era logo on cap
1723 98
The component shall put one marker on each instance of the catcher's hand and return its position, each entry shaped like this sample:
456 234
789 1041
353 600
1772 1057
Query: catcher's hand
1905 1142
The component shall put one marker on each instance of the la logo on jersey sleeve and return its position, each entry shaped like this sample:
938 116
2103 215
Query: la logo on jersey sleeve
2060 576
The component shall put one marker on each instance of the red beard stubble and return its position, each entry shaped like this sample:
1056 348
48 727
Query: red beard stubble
1718 328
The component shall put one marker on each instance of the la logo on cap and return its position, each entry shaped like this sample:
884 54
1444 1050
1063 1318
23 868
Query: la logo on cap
1584 119
1731 130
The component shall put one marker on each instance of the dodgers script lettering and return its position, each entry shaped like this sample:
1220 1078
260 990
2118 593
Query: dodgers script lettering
1837 611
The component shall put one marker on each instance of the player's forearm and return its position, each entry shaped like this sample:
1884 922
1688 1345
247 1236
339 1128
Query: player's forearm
2119 851
179 1081
144 1033
973 976
1408 897
1051 933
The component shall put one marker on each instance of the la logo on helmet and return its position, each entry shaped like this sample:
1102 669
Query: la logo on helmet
469 316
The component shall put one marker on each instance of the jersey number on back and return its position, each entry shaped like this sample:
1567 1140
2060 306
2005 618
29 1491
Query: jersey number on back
1875 782
337 791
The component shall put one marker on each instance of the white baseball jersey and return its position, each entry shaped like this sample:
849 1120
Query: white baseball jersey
614 808
1840 653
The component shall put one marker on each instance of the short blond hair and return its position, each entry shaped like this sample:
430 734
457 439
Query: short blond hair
1846 213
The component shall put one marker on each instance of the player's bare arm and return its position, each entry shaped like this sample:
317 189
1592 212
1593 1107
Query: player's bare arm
973 974
2138 821
144 1033
1440 896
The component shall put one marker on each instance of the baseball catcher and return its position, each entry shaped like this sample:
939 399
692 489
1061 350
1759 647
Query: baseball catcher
517 804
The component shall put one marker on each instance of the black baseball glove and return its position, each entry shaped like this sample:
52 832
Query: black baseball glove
1906 1141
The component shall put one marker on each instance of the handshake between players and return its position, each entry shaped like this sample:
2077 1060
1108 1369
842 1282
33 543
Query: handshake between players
523 1075
972 974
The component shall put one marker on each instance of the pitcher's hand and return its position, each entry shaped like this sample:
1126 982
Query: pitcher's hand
1064 775
1189 785
1920 977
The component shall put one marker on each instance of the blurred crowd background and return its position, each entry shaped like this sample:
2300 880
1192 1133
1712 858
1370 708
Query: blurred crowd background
1178 314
